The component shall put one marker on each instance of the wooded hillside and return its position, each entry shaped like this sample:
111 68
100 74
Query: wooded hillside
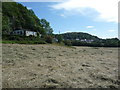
85 39
17 16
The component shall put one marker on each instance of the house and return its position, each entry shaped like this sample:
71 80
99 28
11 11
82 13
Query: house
55 40
83 40
77 39
23 32
88 41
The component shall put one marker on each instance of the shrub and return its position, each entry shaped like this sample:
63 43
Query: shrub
67 42
60 38
22 39
48 39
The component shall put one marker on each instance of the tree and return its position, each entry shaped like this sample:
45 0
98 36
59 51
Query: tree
5 25
60 38
46 26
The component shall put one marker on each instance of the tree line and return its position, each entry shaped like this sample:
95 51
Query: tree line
85 39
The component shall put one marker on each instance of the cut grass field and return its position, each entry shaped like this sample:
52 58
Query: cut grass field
54 66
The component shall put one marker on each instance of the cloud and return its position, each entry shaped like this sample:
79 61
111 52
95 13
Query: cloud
71 30
94 29
89 27
67 31
107 9
38 0
109 37
111 30
62 15
29 8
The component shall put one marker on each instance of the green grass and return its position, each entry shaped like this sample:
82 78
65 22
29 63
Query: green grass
7 42
22 42
15 39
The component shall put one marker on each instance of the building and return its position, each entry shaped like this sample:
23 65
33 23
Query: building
77 39
88 41
83 40
23 32
55 40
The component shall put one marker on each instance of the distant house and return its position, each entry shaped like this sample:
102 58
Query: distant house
85 40
77 39
55 40
23 32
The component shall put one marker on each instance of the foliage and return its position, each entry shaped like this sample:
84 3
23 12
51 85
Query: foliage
48 38
68 42
60 38
17 16
46 26
79 35
70 38
22 39
107 43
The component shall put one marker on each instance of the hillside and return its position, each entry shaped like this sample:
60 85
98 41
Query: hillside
80 36
85 39
17 16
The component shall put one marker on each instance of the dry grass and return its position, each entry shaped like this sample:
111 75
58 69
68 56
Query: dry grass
52 66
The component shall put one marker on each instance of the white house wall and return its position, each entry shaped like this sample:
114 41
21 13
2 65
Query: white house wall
35 33
28 33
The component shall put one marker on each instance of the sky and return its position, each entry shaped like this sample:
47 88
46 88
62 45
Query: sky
96 17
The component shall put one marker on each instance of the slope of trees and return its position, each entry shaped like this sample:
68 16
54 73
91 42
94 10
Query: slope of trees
85 39
16 16
79 35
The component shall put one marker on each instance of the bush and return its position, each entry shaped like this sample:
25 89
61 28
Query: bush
48 39
67 42
39 42
22 39
60 38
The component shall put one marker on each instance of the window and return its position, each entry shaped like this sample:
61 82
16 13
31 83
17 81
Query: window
18 32
21 32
